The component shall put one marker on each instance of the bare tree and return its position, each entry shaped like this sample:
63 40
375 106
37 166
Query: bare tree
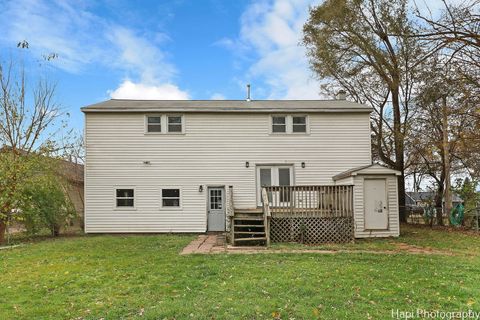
456 32
27 126
367 48
443 119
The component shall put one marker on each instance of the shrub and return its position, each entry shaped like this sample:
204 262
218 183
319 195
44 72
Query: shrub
46 205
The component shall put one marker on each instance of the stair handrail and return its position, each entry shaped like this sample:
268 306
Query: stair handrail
230 206
231 213
266 214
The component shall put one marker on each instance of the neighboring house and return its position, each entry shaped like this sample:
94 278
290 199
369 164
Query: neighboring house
74 175
197 166
423 198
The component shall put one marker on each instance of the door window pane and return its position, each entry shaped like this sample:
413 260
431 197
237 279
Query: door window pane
265 177
284 176
284 180
216 199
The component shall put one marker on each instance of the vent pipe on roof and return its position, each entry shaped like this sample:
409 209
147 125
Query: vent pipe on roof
248 92
342 95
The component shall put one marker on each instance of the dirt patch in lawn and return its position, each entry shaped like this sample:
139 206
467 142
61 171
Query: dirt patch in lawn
405 247
212 244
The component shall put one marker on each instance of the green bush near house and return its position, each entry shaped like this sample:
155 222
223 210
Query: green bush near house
46 205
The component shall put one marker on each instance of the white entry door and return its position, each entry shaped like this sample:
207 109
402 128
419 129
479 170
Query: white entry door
274 176
376 207
216 209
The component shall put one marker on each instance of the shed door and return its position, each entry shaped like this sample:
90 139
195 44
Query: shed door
216 209
376 208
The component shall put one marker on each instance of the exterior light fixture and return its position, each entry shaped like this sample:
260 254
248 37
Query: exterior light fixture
200 188
247 164
303 164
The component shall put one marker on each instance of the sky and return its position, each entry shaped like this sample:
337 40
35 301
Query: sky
171 49
163 49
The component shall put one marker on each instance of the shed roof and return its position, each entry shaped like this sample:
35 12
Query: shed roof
278 106
375 169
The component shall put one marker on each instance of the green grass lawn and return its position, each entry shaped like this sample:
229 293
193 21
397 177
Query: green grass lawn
143 276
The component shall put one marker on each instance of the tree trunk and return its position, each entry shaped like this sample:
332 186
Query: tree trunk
446 154
401 198
399 151
438 204
3 228
55 231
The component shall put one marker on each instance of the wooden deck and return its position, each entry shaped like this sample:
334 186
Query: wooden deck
310 214
310 201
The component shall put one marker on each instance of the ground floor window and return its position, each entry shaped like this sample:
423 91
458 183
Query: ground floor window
171 197
125 197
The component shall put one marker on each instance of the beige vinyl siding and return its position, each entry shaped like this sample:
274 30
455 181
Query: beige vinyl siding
212 151
359 214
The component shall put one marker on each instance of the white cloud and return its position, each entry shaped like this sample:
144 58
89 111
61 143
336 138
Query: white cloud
217 96
130 90
273 31
83 39
138 55
53 27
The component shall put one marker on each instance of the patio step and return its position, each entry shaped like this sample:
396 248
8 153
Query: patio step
250 232
248 227
251 239
248 218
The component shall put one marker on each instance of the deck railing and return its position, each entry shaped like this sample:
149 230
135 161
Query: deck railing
230 210
266 215
309 201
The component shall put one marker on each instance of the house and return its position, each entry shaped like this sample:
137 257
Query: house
296 170
73 173
423 198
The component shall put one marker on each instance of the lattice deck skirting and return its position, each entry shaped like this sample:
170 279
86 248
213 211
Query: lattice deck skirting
311 230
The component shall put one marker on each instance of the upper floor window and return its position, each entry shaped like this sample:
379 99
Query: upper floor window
289 124
299 124
279 124
164 124
154 124
174 124
124 197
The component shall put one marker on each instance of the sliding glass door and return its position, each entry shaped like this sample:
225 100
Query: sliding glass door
274 176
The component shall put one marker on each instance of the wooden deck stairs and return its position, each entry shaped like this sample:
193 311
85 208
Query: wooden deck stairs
248 228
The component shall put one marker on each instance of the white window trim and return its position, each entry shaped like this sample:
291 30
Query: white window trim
307 124
115 207
271 124
162 127
182 122
274 177
180 207
289 124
